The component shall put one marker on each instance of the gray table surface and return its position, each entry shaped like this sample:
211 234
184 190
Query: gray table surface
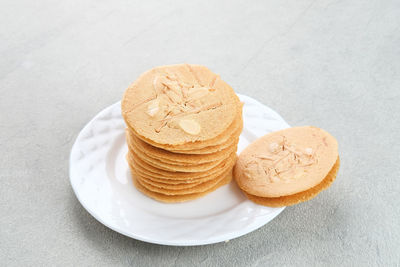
332 64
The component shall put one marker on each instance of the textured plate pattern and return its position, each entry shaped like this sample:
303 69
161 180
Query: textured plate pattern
101 180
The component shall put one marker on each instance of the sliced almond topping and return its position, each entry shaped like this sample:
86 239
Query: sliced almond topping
175 110
285 160
173 97
173 124
174 87
274 179
309 151
190 126
177 99
298 175
273 147
198 92
264 157
158 84
153 107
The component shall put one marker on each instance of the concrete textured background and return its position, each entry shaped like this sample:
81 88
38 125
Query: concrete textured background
330 63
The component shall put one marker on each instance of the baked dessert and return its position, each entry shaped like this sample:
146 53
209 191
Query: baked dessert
288 167
183 126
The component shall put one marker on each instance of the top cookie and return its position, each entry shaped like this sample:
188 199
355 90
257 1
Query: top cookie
286 162
178 104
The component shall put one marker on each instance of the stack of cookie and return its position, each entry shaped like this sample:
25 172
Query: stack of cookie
183 126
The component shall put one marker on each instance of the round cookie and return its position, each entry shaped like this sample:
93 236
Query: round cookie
170 181
178 105
228 165
183 176
178 198
202 147
204 186
167 186
178 186
287 162
299 197
231 136
233 140
227 139
160 162
176 168
178 158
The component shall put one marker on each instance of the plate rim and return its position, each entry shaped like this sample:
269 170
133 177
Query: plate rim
229 236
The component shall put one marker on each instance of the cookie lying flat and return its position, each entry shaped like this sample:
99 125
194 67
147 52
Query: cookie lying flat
178 198
176 168
288 166
232 140
204 186
201 146
216 144
169 165
179 105
176 158
153 172
164 185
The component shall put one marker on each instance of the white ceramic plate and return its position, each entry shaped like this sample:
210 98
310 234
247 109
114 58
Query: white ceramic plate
101 180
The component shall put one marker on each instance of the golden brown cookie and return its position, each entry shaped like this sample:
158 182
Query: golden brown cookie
179 105
167 176
176 168
156 177
178 198
157 161
163 184
171 181
180 190
175 158
229 137
299 197
183 126
203 147
287 162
